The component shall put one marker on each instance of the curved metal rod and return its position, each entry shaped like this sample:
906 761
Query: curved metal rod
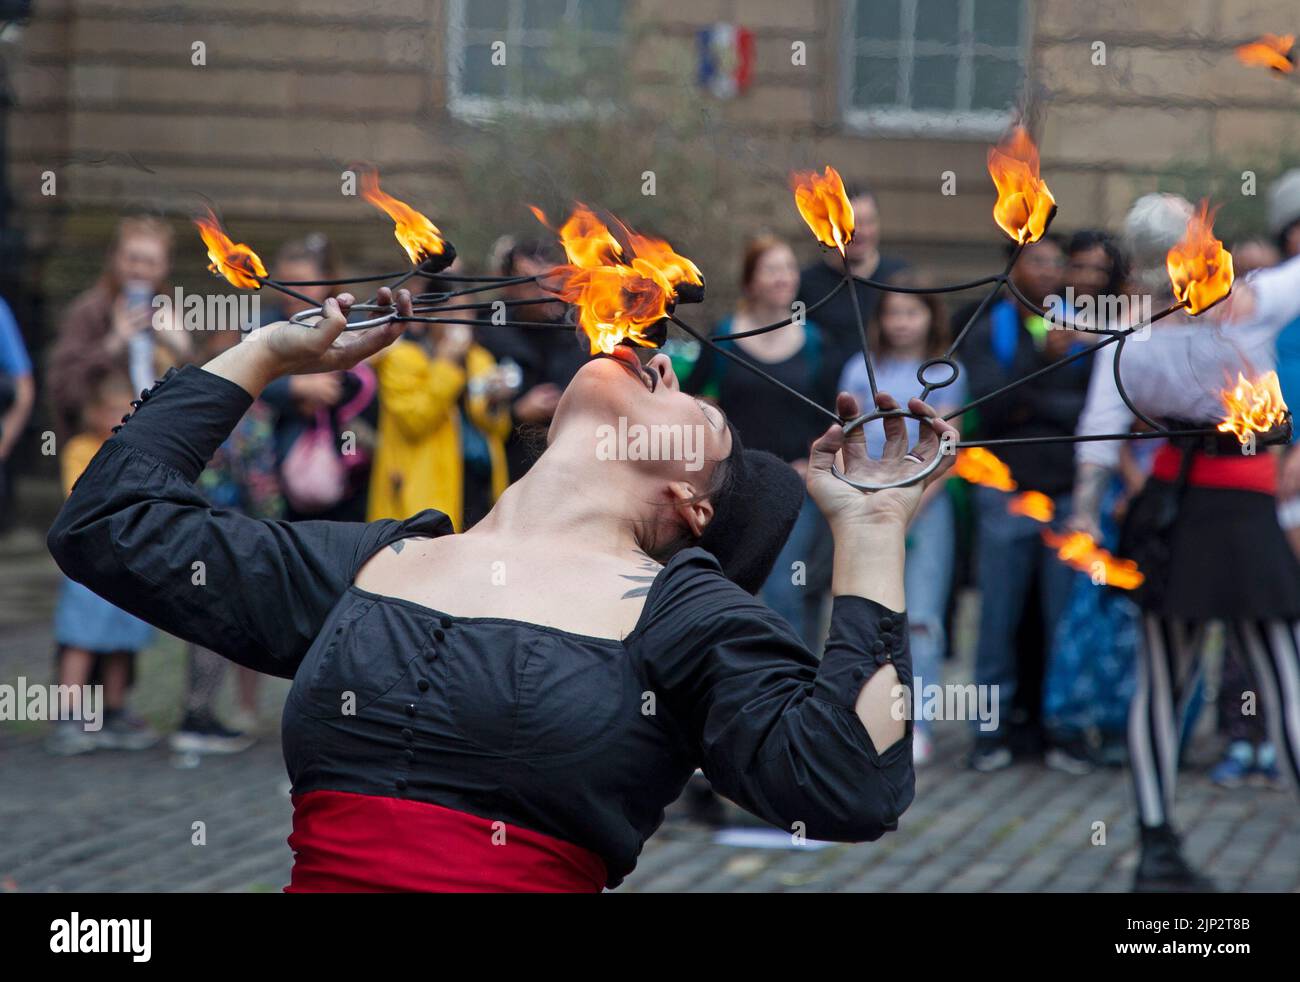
750 366
954 288
862 327
1025 441
1123 393
737 335
860 421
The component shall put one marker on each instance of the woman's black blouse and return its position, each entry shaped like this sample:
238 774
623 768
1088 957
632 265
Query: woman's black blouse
585 739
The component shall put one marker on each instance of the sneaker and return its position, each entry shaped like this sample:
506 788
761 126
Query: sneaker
69 738
1265 772
989 756
243 720
1162 868
1070 757
124 730
922 748
205 735
1237 763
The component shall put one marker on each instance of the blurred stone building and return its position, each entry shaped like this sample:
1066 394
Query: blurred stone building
260 106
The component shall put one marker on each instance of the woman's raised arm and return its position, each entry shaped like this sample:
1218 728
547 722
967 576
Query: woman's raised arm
137 532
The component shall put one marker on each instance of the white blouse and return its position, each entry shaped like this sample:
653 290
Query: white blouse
1176 369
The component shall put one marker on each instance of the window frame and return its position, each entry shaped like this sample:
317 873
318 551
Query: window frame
906 121
472 106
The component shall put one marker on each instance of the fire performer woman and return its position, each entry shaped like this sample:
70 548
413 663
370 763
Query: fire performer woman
512 708
1204 529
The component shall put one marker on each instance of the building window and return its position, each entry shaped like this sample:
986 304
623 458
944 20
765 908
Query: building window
547 56
922 65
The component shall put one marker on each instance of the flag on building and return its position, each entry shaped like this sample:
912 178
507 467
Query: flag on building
726 59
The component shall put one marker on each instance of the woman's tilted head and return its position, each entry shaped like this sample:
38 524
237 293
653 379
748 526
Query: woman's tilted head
674 463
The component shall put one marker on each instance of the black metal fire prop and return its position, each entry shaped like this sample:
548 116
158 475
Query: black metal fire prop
624 288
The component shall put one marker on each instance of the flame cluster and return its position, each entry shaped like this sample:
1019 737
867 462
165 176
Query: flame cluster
1275 51
1080 551
824 205
621 288
413 231
1033 504
979 466
1025 205
1200 269
243 268
238 263
1252 407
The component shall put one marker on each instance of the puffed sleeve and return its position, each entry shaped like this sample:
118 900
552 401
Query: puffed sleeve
775 730
137 532
1103 412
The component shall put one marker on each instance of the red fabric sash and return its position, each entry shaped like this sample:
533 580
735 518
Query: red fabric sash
357 843
1245 473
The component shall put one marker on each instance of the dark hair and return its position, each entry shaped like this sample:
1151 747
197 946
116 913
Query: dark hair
755 249
756 500
1055 240
533 249
722 485
315 249
936 341
1092 238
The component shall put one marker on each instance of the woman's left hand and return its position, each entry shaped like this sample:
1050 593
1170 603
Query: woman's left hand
845 505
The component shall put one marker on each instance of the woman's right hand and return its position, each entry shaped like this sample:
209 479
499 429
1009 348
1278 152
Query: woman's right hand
286 348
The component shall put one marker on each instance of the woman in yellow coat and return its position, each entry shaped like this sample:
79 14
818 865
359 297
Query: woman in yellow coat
419 461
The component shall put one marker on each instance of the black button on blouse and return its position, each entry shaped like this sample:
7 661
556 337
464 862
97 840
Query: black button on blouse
583 738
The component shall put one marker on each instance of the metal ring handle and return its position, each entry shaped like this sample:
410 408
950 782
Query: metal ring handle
302 315
942 360
920 475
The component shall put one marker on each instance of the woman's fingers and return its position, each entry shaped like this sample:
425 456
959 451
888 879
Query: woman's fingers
825 447
933 432
331 324
895 428
405 305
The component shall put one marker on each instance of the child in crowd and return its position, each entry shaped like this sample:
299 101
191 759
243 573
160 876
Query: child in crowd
910 329
97 642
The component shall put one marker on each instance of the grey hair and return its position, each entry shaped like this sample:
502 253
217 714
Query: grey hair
1152 227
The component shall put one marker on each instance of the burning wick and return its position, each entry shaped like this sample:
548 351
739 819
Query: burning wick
418 236
238 263
1200 269
1253 407
826 208
1025 206
621 288
1273 51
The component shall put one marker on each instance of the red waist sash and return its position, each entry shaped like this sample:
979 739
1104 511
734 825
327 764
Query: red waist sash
357 843
1257 472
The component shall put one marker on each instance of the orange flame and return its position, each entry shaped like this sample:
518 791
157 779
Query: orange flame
1032 504
239 264
416 234
1024 205
1200 269
1080 551
621 288
1252 406
977 465
1275 51
825 206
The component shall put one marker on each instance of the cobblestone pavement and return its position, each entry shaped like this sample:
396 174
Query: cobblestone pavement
124 821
